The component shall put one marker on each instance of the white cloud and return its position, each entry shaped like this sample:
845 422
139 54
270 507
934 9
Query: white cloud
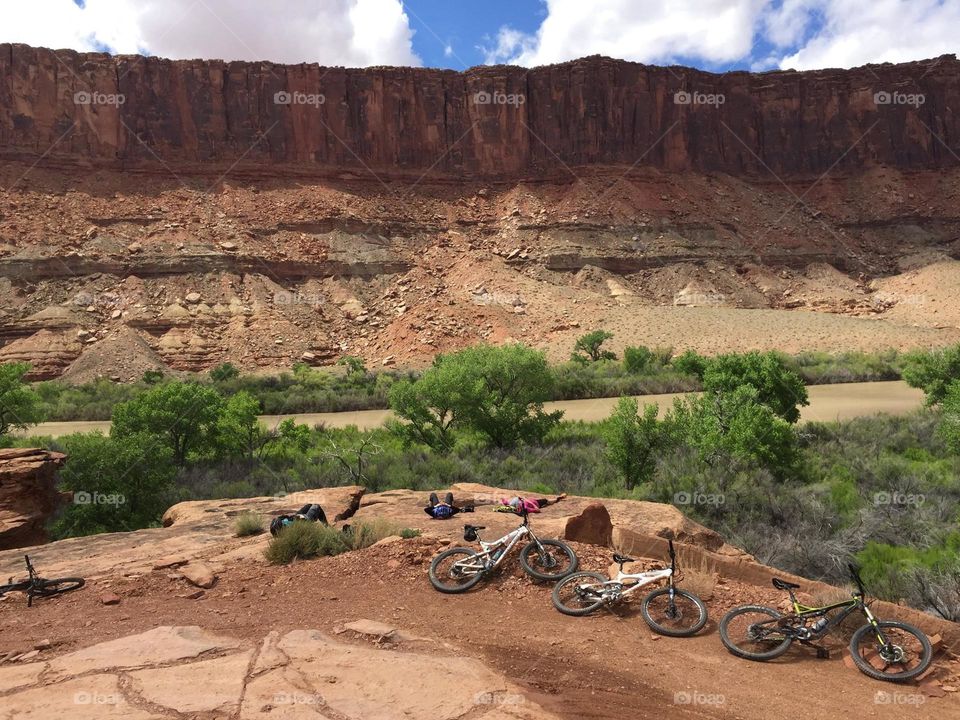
805 34
650 31
856 32
332 32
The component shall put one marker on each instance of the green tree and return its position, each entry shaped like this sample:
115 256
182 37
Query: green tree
224 372
428 407
497 392
723 425
184 415
777 386
949 428
932 371
690 362
20 406
239 430
116 483
637 360
588 348
632 441
152 377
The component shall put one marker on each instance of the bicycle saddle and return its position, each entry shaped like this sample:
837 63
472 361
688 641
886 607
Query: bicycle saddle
784 585
474 527
617 558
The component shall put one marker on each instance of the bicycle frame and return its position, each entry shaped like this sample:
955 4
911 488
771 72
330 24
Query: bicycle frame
616 588
492 553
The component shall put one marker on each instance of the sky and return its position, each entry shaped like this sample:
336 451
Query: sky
715 35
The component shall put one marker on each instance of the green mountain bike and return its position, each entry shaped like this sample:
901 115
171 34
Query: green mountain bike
884 650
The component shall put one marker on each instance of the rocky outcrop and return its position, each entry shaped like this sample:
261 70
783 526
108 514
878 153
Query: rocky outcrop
28 495
127 111
175 672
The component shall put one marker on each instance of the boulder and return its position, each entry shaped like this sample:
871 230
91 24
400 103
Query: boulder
592 525
28 495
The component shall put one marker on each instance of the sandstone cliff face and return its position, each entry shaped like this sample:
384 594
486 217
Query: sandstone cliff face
505 122
28 495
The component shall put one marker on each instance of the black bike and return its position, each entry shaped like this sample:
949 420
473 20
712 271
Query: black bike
36 586
884 650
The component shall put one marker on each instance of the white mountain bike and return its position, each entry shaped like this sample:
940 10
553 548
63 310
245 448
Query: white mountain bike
669 610
458 569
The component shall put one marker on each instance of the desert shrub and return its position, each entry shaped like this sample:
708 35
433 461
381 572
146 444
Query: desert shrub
303 540
226 371
248 523
690 363
637 359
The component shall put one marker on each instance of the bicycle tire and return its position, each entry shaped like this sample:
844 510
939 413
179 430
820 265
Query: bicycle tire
574 578
869 670
693 629
531 547
746 654
14 587
57 586
438 583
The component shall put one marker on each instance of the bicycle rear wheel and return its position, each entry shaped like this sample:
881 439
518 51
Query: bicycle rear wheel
56 586
682 615
579 594
907 652
455 570
753 632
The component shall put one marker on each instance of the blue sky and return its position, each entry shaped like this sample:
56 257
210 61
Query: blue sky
715 35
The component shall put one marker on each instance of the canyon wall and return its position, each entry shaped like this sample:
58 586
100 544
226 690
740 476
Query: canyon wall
131 112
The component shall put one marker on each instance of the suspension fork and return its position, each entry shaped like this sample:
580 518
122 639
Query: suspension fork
871 618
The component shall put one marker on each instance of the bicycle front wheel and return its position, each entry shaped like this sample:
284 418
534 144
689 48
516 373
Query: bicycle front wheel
753 632
456 570
681 615
555 561
906 654
579 594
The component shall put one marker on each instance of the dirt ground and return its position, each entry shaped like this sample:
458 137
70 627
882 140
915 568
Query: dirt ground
603 666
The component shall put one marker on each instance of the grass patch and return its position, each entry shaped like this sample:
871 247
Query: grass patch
248 523
307 540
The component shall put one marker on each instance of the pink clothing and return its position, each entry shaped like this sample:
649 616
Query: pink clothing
531 506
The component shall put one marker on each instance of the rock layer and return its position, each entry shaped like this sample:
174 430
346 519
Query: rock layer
28 495
128 111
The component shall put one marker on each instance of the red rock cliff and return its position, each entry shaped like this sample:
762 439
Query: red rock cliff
131 111
28 495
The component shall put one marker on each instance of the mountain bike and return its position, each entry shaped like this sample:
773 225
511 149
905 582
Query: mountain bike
667 610
36 586
458 569
883 650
